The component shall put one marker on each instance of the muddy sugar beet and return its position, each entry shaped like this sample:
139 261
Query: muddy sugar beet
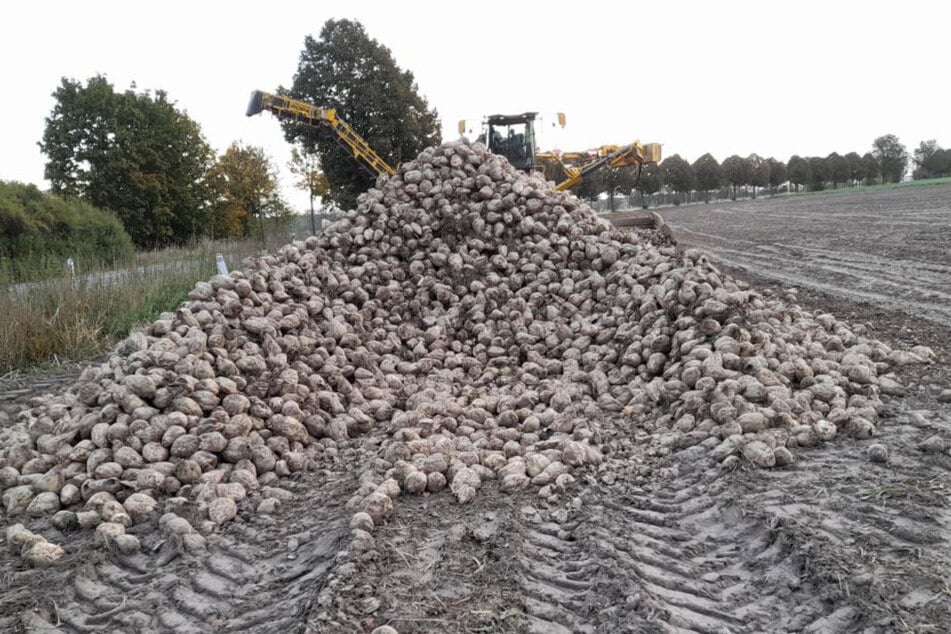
485 326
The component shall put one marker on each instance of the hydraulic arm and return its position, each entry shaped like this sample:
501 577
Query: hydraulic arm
579 165
289 109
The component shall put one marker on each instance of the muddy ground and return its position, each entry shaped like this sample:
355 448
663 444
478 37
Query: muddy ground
646 543
887 249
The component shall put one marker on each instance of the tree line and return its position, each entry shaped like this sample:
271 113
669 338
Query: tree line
136 154
886 162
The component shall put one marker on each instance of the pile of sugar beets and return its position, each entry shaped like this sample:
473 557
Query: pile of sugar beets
481 324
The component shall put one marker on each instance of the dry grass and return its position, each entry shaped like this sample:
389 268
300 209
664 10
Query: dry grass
67 319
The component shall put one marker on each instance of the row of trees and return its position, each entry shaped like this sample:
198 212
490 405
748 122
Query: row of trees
886 162
135 154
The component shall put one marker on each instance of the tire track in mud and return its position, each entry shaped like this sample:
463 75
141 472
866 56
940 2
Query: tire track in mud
666 557
260 575
834 544
646 553
930 272
874 535
923 289
887 248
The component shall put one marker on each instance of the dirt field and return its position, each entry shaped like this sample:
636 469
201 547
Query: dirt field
888 249
647 543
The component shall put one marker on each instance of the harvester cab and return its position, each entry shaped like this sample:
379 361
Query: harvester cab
512 136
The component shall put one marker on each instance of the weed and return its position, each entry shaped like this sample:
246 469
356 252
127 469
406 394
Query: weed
82 316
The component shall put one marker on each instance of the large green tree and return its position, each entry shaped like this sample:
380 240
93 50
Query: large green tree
132 153
348 70
708 173
737 172
608 180
892 157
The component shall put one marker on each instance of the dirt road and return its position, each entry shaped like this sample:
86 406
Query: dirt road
645 543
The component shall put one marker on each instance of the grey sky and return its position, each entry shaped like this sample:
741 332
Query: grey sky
726 77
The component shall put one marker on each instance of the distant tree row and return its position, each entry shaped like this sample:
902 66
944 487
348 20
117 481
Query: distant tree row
885 163
136 155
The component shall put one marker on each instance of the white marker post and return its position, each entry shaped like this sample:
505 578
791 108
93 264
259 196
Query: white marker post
220 262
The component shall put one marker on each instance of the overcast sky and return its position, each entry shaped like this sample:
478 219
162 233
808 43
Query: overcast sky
725 77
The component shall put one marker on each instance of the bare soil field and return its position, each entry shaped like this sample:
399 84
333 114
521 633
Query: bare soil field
888 249
647 541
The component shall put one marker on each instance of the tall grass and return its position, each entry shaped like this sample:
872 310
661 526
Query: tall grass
78 317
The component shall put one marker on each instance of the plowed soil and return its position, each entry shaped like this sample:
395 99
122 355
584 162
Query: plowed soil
646 543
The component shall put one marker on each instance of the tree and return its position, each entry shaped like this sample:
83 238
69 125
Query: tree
818 172
347 70
838 169
759 172
892 157
777 173
305 166
871 168
247 188
589 188
942 163
798 170
932 161
677 174
737 171
856 167
651 181
131 153
708 173
615 179
607 180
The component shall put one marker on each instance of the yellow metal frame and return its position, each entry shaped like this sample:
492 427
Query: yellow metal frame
303 112
578 165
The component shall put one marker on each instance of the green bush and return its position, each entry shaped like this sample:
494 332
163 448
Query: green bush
39 231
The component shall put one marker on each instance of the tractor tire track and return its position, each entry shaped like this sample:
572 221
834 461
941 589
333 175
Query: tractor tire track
260 575
877 247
